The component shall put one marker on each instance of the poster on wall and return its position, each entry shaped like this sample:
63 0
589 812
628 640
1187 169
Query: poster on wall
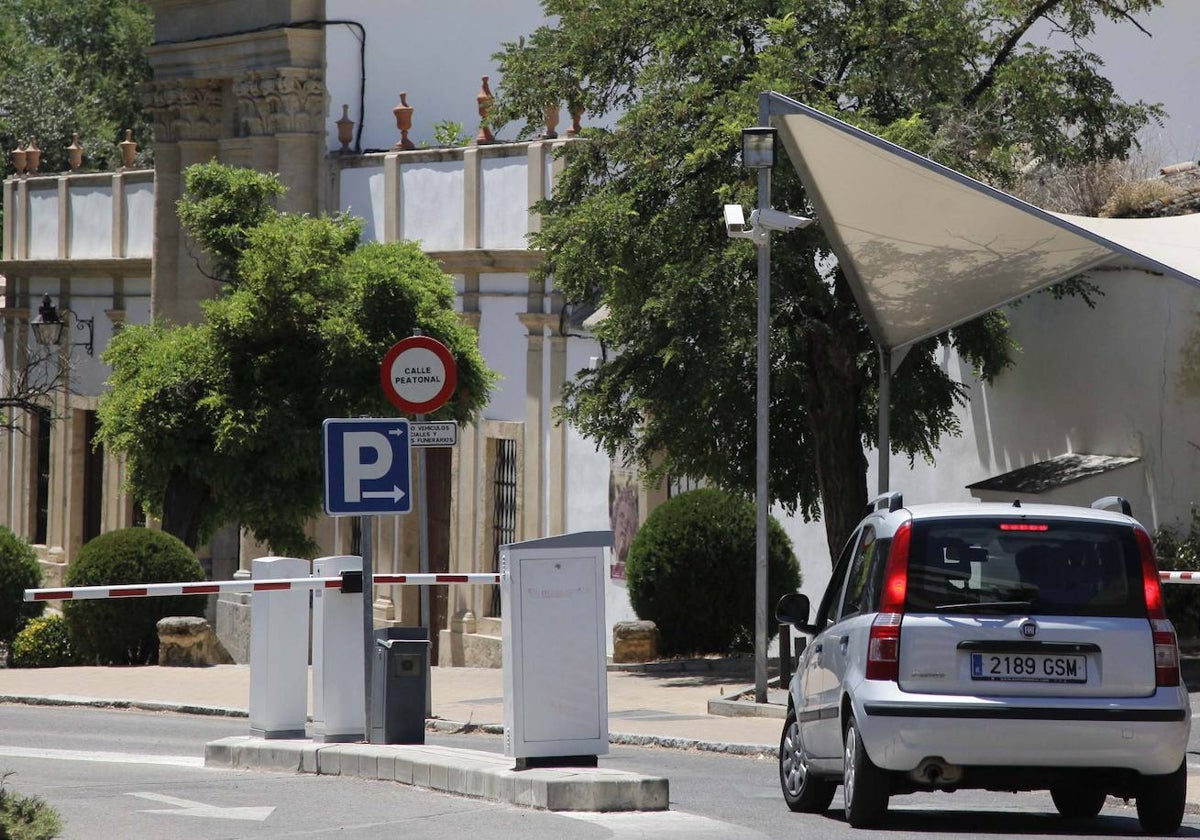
623 516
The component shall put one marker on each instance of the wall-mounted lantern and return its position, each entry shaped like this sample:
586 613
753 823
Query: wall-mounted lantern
48 326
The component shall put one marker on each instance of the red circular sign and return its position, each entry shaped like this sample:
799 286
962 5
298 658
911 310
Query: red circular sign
418 374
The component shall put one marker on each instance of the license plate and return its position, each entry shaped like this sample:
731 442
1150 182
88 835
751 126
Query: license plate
1029 667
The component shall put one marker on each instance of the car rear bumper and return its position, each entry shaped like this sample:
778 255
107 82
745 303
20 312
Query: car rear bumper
1147 735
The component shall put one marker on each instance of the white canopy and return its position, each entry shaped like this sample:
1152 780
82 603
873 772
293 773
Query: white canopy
926 248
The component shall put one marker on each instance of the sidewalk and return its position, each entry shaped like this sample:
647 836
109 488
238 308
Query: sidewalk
665 708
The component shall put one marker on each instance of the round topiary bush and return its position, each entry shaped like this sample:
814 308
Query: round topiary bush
19 570
43 643
690 570
122 631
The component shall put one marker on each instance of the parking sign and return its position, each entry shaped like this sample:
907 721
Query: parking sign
366 466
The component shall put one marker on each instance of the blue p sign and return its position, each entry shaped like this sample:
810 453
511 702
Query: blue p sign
366 466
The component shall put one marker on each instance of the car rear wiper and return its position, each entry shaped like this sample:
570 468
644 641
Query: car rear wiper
984 606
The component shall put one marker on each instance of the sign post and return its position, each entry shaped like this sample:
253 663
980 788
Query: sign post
367 472
418 375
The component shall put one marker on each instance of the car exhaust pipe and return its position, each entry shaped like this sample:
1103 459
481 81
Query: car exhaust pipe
937 773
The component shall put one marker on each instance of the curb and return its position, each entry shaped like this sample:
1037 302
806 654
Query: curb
472 773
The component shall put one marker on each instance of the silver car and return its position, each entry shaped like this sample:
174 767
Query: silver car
994 646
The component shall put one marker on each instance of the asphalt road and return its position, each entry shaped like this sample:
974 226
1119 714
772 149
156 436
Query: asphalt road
121 774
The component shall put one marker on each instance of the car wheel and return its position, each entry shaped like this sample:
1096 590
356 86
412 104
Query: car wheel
802 791
1076 802
864 786
1160 801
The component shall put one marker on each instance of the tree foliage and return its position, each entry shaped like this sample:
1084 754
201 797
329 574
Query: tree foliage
222 421
634 223
73 66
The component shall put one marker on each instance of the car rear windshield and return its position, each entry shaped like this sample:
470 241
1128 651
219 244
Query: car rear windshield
1048 567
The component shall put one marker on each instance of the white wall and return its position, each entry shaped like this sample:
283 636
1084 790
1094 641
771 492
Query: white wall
437 52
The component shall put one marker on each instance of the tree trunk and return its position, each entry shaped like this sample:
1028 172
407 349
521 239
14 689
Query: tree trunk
183 503
833 410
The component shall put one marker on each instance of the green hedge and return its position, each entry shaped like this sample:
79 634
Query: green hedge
19 570
122 631
691 570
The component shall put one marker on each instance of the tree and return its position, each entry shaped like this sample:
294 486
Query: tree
221 421
634 222
73 66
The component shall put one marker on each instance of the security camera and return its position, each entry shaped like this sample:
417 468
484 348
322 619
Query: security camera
735 221
762 222
773 219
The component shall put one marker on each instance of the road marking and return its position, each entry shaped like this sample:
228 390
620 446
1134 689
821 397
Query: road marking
189 808
663 824
109 757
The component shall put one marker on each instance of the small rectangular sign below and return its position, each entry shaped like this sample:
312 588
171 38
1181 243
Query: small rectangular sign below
433 433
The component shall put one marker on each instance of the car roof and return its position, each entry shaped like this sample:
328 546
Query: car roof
1006 510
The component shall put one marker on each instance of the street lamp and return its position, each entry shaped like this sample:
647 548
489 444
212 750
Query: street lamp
758 154
48 326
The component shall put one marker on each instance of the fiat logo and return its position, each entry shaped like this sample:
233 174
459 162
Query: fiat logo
1028 629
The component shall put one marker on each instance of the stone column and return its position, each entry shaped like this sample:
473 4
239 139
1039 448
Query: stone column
187 117
533 487
558 436
280 113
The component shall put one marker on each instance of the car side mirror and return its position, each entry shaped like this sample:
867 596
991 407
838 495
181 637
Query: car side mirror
793 609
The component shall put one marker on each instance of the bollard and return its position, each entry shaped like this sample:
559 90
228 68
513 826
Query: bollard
279 652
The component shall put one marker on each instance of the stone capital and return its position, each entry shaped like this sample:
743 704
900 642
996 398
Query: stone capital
536 322
184 109
283 100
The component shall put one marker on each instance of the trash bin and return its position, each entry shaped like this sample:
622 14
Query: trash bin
399 683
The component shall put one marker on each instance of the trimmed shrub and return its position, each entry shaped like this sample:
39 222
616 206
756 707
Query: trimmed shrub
43 643
19 570
690 570
1180 552
122 631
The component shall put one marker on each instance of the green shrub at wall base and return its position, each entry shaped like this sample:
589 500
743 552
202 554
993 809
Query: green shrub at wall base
1180 552
123 631
42 643
19 570
691 571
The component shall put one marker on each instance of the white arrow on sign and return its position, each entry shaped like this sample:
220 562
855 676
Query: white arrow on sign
188 808
395 494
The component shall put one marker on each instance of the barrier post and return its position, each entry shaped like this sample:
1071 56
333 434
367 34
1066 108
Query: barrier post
279 651
337 690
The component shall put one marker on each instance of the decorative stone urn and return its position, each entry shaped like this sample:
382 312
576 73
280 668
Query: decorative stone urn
484 101
550 113
33 156
74 152
128 149
345 129
403 113
18 158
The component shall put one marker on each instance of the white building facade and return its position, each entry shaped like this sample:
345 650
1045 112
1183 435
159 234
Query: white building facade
264 85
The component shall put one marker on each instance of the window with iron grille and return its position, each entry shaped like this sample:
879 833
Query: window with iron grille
504 506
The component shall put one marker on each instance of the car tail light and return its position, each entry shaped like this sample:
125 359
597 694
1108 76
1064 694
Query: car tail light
883 644
1166 646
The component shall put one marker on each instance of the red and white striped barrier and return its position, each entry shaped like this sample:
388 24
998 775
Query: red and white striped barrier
1179 577
214 587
